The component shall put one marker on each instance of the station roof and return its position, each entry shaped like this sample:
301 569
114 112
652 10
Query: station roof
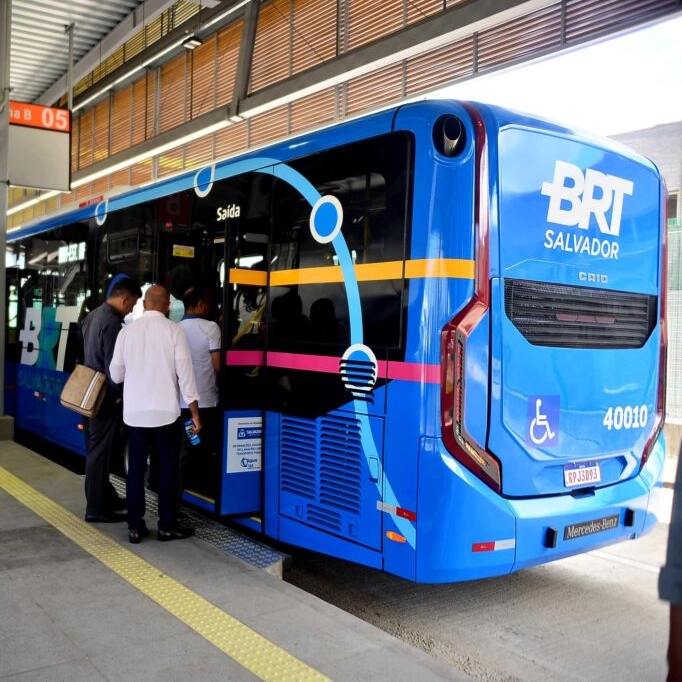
40 42
39 53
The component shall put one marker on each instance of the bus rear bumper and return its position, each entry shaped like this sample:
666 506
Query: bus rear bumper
475 533
566 525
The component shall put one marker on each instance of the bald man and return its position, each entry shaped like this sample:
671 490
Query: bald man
152 359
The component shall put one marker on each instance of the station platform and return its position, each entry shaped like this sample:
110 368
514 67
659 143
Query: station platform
80 603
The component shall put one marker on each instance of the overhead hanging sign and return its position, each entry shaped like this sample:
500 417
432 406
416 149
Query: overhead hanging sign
39 146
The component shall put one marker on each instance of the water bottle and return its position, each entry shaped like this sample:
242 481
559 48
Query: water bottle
193 437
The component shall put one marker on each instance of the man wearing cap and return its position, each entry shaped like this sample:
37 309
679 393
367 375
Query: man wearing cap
100 330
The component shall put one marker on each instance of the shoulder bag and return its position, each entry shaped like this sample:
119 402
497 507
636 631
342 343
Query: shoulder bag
84 391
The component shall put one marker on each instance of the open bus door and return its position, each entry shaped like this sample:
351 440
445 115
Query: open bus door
245 214
190 254
244 384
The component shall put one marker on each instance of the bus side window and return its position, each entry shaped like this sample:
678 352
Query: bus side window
369 179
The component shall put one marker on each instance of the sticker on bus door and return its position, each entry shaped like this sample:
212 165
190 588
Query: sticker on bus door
241 485
244 444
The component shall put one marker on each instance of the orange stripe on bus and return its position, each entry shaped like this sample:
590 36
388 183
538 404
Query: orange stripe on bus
330 273
245 276
440 267
368 272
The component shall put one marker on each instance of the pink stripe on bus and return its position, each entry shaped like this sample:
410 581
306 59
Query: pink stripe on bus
413 371
244 357
401 371
312 363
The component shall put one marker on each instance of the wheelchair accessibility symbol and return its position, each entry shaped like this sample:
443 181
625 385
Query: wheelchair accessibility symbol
543 419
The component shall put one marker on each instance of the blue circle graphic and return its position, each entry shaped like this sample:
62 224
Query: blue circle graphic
325 219
203 180
101 211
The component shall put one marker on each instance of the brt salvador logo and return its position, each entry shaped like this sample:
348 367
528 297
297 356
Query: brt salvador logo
574 197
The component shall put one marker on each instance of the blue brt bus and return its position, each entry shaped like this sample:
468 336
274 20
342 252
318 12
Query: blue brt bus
443 328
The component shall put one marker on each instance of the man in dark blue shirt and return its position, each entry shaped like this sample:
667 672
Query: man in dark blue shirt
100 329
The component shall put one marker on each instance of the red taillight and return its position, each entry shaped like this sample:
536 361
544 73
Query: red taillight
455 335
453 381
659 420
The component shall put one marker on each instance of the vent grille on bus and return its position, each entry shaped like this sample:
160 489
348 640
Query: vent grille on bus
322 460
340 464
299 456
359 377
579 317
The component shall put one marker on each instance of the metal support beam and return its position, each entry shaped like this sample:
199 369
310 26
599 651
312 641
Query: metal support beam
5 42
69 71
241 82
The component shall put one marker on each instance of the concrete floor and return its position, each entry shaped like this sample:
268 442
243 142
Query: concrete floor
80 603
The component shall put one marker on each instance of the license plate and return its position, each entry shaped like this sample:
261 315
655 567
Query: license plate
581 473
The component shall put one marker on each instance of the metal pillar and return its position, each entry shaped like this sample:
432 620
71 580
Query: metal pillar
5 33
69 72
5 42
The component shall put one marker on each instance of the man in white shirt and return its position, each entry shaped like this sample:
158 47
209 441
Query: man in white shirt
203 337
152 360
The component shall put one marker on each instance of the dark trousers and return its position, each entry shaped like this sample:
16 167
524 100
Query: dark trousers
195 459
165 442
102 435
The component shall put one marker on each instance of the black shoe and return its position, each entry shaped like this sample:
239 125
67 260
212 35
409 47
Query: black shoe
177 533
119 504
136 536
108 517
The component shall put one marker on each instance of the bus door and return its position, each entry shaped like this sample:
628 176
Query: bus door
241 207
190 253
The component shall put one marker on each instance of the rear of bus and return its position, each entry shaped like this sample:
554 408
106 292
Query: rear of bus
558 449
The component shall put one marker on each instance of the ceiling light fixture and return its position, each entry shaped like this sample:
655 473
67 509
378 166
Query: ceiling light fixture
191 43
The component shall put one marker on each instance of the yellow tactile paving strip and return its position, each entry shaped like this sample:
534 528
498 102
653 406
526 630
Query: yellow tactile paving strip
251 650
